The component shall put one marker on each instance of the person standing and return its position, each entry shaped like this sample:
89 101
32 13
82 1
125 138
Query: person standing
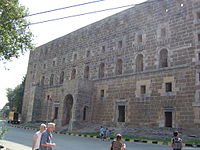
37 137
176 141
46 138
107 133
101 133
116 144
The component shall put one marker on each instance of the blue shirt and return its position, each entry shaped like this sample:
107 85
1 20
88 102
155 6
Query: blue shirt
46 138
101 132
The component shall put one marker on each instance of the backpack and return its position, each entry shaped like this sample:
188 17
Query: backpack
176 143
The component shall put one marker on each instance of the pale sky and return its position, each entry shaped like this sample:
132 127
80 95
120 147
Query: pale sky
16 70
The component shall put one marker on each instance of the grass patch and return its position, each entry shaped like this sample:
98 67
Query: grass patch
127 138
84 134
192 142
130 138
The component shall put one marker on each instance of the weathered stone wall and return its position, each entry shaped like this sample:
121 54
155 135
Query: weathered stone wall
148 109
149 56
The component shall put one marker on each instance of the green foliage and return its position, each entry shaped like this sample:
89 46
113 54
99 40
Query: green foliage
15 36
192 141
5 111
15 97
3 130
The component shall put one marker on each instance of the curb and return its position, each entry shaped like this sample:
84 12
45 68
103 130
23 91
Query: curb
110 138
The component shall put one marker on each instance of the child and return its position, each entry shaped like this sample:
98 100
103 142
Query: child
176 141
107 133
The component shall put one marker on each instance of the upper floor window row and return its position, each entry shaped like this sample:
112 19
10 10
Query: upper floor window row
52 79
139 64
119 67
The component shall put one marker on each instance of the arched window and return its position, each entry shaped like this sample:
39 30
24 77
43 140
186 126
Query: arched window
54 63
85 113
139 63
73 74
86 72
62 77
51 79
101 70
75 56
88 53
44 66
163 61
42 80
118 70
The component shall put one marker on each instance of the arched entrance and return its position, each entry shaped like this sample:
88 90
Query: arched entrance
67 109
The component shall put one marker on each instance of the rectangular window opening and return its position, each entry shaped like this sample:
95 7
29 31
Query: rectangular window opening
199 38
54 63
199 96
103 48
163 32
198 15
143 89
198 56
88 54
102 93
120 44
44 66
199 114
140 38
168 87
63 61
75 56
199 76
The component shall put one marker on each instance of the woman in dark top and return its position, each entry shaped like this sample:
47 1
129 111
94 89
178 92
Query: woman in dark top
117 145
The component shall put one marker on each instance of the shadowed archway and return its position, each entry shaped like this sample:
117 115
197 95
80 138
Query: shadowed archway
67 109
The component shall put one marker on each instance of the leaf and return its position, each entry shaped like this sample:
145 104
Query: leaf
15 35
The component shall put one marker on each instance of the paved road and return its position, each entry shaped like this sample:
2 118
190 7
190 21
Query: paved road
65 142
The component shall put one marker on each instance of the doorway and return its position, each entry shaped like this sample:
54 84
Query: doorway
121 113
168 119
56 113
67 109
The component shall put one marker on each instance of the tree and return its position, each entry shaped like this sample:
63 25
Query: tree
15 97
5 111
15 36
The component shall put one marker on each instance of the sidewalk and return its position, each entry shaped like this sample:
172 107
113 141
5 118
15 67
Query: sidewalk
13 146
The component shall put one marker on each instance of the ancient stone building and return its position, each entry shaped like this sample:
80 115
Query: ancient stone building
138 68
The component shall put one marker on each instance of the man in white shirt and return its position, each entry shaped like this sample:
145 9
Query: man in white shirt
37 137
101 133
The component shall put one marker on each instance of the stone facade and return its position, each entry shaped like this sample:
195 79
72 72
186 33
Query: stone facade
138 68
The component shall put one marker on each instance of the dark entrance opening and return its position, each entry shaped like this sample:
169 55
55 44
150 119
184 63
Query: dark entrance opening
85 111
56 113
121 115
67 109
168 119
